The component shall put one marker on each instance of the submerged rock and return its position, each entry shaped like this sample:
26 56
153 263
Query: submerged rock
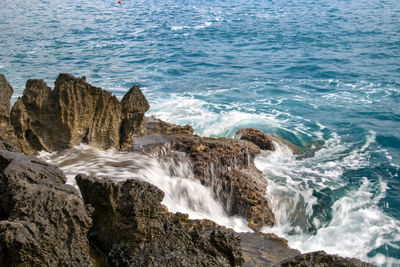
76 112
132 228
43 221
264 141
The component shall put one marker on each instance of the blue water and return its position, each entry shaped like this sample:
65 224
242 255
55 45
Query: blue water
323 74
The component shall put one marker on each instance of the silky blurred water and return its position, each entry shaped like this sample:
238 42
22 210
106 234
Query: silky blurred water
323 74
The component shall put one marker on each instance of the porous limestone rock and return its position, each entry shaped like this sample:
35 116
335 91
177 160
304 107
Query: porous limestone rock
322 259
76 112
43 222
134 105
6 130
132 228
225 165
6 92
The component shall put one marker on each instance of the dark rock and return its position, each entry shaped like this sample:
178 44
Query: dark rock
264 141
43 221
225 165
76 112
132 228
320 258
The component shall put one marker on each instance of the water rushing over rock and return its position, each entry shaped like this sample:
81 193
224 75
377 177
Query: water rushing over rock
44 221
131 227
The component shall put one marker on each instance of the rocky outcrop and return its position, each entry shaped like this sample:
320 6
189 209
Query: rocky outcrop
76 112
132 228
156 126
264 141
6 130
43 221
320 258
134 105
6 92
225 165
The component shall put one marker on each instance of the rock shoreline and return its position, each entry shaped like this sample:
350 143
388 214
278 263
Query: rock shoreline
45 222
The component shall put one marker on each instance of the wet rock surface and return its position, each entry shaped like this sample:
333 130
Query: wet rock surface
43 221
320 258
225 165
265 249
264 141
132 228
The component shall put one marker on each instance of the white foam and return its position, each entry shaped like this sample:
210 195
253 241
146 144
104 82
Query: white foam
176 28
219 119
357 226
182 193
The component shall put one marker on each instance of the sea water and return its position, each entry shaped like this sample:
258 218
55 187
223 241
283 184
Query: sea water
324 74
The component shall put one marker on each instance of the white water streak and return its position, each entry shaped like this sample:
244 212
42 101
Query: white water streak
357 226
182 192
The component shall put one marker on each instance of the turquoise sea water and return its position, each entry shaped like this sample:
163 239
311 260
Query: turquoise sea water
323 74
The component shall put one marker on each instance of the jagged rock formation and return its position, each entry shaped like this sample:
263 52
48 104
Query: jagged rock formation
76 112
43 221
226 165
134 105
132 228
6 130
6 92
264 141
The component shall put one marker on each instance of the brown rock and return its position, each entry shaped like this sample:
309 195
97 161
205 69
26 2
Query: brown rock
132 228
76 112
156 126
6 129
264 141
6 92
228 167
72 113
134 105
225 165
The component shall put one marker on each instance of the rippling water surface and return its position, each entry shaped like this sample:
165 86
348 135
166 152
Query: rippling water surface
323 74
